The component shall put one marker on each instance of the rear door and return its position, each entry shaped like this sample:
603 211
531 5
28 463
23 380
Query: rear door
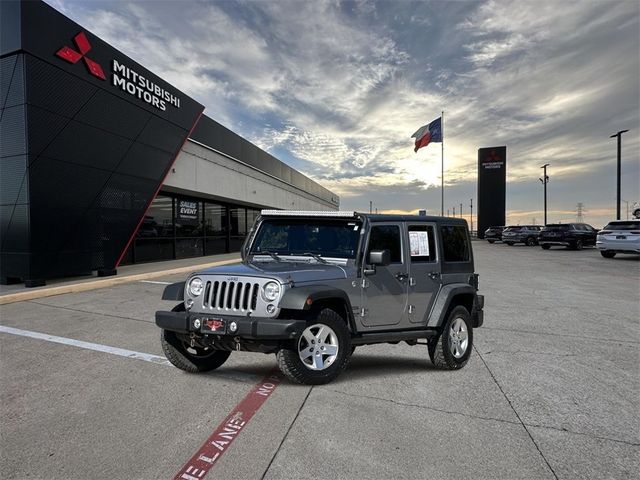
424 270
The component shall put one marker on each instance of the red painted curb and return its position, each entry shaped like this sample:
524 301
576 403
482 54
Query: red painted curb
224 435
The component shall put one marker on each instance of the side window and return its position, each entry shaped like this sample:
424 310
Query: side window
455 245
422 244
386 237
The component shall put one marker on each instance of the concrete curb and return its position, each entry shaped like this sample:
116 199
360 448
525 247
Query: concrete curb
105 282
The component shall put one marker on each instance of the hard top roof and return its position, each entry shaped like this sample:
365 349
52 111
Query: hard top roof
373 217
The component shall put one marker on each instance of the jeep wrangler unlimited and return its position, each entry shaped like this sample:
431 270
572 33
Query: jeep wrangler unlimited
312 286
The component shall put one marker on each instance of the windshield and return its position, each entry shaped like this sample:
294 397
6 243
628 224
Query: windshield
324 237
630 225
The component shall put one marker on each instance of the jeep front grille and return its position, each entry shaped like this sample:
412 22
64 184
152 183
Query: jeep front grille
238 296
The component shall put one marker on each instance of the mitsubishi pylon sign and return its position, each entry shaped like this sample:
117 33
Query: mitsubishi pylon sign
492 179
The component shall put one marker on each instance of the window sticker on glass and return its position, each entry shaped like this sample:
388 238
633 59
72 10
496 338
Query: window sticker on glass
419 242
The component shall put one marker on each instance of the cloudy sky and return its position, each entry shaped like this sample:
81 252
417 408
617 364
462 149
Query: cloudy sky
335 89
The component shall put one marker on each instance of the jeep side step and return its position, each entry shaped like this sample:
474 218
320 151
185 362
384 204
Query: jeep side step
384 337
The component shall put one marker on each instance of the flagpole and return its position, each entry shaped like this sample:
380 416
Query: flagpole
442 167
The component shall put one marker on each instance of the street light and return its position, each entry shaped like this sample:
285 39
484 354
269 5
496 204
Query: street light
545 180
619 135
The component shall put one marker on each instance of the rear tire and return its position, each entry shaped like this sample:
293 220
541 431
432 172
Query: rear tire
577 245
452 348
491 241
309 362
509 243
545 246
607 253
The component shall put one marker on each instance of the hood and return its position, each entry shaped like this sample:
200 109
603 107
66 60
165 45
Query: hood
284 271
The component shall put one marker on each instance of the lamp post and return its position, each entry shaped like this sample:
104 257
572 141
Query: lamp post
545 180
619 135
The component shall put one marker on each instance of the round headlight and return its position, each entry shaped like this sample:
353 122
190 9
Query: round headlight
271 291
196 286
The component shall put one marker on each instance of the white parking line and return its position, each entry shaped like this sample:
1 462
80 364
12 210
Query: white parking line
121 352
155 282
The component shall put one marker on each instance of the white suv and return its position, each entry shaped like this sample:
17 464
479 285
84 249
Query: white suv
619 236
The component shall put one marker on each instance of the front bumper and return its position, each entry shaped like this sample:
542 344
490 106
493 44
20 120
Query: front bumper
252 328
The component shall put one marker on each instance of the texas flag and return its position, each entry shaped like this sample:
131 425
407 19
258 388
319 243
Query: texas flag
428 133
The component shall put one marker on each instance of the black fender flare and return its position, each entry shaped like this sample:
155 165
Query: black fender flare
175 291
446 294
304 298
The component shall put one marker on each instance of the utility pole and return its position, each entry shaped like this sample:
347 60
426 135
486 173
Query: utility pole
471 207
447 212
545 180
460 210
580 212
370 206
454 211
619 135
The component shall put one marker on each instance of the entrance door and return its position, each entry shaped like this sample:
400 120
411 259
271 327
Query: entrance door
385 292
424 270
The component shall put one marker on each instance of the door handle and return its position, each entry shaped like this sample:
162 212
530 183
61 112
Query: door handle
402 276
434 275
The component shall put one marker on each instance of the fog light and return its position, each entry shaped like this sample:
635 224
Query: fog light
233 326
188 303
197 323
271 308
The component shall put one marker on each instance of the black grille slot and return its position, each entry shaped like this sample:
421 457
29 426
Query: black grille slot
207 290
223 290
254 296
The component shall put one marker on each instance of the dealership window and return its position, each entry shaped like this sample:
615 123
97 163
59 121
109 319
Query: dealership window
183 227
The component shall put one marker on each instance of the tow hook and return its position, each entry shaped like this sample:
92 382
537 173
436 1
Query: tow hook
237 340
193 340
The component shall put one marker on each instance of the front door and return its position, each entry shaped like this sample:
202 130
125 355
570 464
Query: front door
424 271
385 292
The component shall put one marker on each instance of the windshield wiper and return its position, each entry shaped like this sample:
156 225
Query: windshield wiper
316 256
271 254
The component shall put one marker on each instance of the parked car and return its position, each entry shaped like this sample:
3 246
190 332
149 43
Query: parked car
619 236
493 234
570 235
527 234
314 285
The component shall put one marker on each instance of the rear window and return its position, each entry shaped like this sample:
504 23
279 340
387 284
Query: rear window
455 244
630 225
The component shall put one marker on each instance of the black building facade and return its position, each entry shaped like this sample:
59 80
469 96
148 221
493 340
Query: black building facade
87 138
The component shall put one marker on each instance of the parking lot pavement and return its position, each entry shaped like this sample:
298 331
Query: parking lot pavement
551 390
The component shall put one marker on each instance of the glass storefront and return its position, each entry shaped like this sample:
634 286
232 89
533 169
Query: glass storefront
181 227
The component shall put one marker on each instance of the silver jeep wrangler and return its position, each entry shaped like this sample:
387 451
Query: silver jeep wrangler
312 286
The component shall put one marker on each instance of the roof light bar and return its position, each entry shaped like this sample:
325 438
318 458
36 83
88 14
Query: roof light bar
308 213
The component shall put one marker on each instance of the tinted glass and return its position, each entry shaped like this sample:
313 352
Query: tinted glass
215 220
630 225
562 228
422 245
513 229
328 238
238 221
188 218
158 222
386 237
455 244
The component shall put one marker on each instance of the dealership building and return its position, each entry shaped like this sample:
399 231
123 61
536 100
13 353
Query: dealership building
103 163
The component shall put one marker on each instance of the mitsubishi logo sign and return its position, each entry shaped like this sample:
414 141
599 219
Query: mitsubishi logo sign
72 56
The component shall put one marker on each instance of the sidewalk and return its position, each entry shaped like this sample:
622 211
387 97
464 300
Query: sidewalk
126 274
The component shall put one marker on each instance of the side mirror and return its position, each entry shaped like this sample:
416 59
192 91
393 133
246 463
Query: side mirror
380 257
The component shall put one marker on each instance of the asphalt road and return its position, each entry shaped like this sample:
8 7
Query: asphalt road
551 390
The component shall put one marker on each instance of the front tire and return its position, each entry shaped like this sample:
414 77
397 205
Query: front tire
607 253
197 359
491 241
545 246
452 349
531 242
321 353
